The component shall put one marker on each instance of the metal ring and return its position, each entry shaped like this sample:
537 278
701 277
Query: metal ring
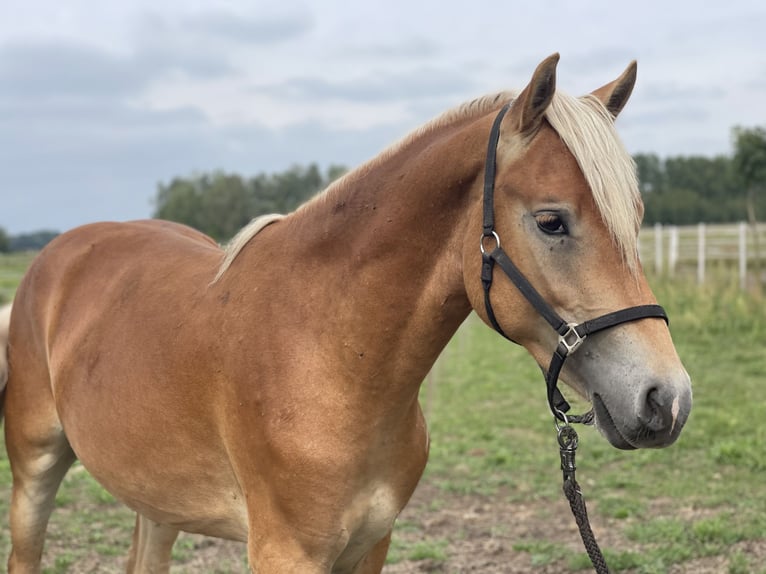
484 236
567 437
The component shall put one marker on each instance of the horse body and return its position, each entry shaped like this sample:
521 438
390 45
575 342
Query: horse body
209 405
209 392
276 401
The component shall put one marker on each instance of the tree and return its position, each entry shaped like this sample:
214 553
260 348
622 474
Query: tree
5 243
651 172
689 189
33 241
220 204
750 164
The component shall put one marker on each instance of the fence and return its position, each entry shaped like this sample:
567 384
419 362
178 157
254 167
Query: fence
672 250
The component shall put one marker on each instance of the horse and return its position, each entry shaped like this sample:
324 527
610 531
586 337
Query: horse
268 393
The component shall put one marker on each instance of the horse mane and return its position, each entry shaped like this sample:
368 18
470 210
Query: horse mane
241 239
587 129
468 110
462 113
584 125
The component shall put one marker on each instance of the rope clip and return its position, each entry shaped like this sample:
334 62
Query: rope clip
568 442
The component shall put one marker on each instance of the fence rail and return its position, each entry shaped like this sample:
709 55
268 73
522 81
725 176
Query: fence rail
671 249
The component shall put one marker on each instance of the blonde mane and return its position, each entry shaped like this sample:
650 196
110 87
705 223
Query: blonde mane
241 239
587 129
585 126
464 112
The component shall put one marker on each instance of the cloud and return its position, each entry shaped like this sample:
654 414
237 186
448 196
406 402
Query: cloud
417 84
247 30
59 70
403 49
100 158
196 46
600 61
684 92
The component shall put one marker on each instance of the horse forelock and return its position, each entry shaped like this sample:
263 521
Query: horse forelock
587 129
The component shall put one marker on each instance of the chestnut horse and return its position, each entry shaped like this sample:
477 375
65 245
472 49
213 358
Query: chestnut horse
273 398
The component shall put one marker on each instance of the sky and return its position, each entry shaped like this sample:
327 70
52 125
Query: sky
102 101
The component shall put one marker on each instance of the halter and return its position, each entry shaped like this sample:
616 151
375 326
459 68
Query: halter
571 335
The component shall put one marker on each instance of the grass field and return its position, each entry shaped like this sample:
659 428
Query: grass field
702 499
12 267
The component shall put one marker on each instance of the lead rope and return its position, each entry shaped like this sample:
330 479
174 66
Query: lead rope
568 442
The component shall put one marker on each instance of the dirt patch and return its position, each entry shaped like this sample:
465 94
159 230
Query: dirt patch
469 533
488 535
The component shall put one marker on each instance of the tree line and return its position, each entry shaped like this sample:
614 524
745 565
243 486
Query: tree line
685 190
678 190
220 204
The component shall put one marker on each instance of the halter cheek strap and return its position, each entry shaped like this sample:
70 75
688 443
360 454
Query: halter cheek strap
571 335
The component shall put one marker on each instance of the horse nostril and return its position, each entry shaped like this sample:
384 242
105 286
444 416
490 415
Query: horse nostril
653 398
654 413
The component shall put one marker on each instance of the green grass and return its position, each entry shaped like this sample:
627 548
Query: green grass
426 549
491 434
12 268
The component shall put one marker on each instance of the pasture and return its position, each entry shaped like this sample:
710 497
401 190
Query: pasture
490 500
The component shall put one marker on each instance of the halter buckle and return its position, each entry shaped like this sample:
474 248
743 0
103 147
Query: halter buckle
571 339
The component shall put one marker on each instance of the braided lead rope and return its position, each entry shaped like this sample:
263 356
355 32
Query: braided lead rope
568 441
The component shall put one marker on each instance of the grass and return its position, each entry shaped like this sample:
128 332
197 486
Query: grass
12 267
491 434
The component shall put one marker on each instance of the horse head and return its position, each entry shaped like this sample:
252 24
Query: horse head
565 203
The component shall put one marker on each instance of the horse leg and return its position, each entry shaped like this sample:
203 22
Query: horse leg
40 457
286 555
375 559
152 546
274 547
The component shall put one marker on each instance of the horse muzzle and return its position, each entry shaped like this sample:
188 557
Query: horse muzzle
654 420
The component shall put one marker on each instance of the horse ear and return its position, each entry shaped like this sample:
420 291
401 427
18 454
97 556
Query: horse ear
614 95
527 112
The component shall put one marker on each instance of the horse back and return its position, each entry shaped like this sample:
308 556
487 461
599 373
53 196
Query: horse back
98 264
101 305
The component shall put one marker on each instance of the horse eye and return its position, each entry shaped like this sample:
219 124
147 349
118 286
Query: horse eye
551 224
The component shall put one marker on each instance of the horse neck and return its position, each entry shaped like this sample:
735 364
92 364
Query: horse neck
382 251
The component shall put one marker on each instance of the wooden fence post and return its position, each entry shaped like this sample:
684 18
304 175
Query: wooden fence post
658 248
672 249
742 255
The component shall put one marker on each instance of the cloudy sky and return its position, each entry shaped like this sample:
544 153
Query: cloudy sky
100 101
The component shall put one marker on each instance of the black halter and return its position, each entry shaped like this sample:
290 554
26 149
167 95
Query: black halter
571 335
